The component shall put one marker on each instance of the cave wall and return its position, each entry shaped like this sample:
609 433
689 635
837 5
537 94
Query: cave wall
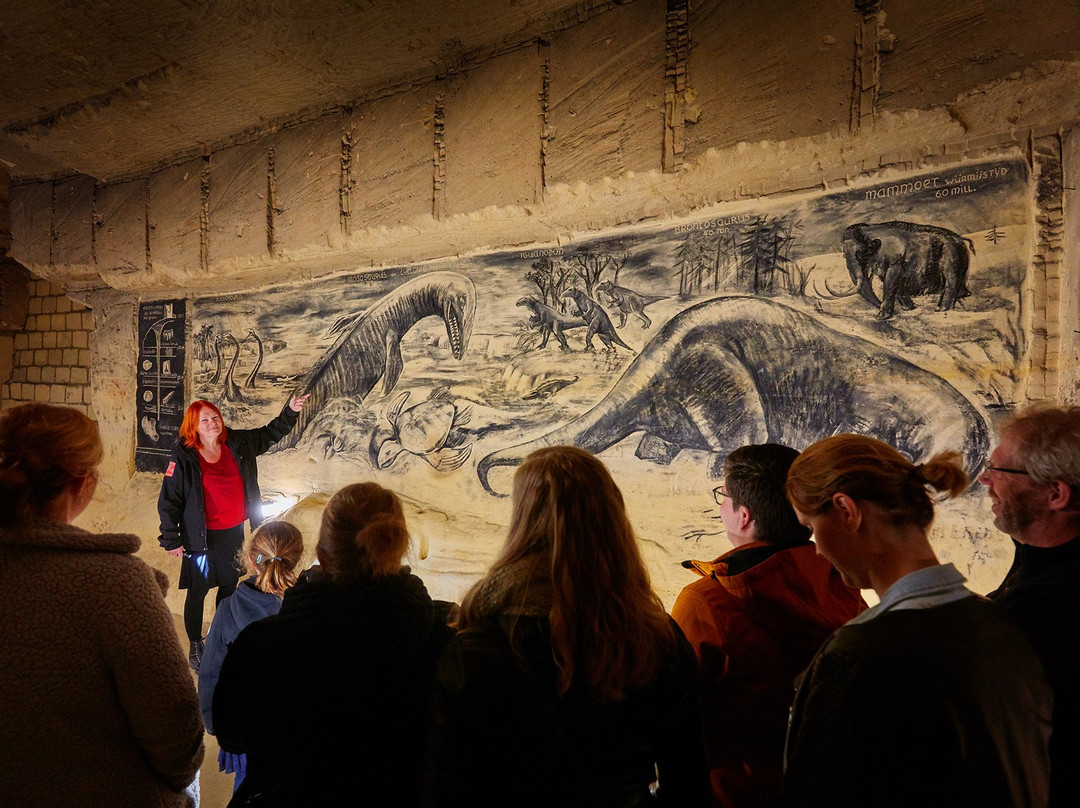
641 113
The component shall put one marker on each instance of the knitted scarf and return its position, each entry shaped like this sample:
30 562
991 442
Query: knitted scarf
519 588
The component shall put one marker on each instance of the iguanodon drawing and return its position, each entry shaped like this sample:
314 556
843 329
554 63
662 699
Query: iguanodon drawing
369 347
550 321
738 370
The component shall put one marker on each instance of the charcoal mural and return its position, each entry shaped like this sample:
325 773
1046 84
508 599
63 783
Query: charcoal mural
891 309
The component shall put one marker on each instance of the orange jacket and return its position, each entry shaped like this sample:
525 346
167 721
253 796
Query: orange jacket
753 633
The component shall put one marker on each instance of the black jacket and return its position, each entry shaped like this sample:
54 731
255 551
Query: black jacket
1042 593
934 707
329 698
180 503
502 737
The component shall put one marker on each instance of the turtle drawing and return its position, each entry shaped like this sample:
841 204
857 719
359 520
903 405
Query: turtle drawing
422 429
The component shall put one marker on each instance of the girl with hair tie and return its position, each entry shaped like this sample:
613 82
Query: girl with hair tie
269 556
97 706
932 697
567 684
209 489
361 636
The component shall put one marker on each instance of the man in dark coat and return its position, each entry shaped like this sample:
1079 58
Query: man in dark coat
1033 479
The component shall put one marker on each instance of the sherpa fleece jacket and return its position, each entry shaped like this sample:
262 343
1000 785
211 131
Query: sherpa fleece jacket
97 705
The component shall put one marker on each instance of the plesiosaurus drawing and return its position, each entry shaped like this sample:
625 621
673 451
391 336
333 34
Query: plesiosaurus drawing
369 346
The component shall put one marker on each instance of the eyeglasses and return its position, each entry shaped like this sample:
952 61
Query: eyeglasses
1002 470
719 494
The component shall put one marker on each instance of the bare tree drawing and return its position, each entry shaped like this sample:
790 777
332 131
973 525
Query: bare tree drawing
589 264
617 262
551 278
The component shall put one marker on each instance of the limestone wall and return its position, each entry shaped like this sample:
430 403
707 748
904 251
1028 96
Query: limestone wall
639 113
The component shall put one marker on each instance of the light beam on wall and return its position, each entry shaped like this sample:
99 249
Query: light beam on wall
273 507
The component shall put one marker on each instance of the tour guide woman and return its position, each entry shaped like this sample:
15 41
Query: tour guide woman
211 486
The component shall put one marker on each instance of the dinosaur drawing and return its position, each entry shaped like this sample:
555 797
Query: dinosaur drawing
550 321
216 377
250 380
230 391
737 370
597 319
368 347
628 302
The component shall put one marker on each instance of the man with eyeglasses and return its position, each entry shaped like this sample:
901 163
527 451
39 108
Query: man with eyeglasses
1033 479
755 619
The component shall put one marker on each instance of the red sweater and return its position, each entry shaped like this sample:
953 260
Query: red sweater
223 491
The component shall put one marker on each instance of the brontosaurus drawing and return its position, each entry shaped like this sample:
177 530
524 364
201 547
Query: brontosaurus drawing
737 370
369 346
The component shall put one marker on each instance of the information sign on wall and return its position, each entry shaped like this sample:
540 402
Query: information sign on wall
160 378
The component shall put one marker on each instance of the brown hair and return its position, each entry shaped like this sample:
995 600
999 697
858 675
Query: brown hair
363 533
43 450
271 553
754 477
871 471
189 427
607 625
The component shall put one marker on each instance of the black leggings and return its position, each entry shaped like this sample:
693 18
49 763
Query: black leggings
193 605
217 567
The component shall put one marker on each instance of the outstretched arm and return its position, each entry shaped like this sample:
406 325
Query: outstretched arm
264 437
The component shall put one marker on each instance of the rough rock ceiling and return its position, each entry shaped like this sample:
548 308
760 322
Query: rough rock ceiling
111 88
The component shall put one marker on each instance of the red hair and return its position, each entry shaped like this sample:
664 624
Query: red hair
189 427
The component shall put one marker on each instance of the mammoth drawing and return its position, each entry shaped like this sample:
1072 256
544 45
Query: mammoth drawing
910 259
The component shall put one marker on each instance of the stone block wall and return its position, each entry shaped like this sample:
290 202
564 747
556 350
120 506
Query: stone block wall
51 360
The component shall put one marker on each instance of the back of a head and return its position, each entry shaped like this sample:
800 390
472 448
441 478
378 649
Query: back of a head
1048 439
43 450
566 505
363 533
272 553
869 470
606 622
754 477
